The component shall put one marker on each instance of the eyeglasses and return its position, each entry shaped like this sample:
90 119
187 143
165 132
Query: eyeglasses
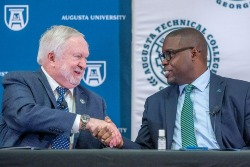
169 54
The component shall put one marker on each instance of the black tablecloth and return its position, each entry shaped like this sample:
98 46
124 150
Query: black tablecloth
122 158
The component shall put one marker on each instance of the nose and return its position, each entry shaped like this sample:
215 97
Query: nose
82 64
165 62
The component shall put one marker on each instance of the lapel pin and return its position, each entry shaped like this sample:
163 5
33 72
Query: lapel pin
82 101
219 91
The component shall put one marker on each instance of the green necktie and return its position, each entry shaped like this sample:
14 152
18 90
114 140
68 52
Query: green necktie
187 120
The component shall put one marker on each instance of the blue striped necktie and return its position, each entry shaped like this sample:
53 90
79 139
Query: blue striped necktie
61 141
187 120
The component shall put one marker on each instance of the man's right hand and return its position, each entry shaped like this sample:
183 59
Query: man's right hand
117 141
105 131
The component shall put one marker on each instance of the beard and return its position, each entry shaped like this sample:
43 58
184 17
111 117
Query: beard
66 73
172 82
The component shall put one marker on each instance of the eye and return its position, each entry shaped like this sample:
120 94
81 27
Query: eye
78 56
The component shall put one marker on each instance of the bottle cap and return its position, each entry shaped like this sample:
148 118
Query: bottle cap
161 132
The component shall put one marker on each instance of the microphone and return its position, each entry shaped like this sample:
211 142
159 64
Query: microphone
64 104
215 111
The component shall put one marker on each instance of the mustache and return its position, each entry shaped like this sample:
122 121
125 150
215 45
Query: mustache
78 69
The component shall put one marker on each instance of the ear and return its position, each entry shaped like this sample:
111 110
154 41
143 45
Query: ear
195 53
51 58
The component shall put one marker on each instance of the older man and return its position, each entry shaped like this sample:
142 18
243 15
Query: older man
48 108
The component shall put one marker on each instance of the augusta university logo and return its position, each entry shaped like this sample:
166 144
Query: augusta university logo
152 47
95 73
16 17
234 4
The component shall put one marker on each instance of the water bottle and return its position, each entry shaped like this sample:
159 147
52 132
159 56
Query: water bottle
161 140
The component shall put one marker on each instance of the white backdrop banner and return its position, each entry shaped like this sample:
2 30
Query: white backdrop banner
224 23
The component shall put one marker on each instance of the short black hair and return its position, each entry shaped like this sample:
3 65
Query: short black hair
191 37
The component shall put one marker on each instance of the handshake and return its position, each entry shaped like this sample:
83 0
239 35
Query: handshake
106 131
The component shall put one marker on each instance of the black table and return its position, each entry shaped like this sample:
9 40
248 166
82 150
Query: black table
122 158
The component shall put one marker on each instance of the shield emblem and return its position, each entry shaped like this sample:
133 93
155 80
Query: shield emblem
16 17
95 73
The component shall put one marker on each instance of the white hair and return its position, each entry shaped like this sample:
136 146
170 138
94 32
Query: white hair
53 40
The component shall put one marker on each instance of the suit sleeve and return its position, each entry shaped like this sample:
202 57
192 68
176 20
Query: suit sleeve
144 139
247 120
27 108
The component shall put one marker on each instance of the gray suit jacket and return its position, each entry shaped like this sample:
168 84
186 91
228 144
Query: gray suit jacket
30 117
229 104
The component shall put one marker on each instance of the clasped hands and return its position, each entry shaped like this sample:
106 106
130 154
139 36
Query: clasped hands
106 131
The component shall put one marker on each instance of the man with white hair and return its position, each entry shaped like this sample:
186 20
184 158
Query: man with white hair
48 108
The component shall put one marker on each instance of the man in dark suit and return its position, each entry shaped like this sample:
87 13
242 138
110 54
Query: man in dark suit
220 106
33 101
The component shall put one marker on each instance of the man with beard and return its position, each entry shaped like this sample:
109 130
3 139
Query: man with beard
48 108
198 108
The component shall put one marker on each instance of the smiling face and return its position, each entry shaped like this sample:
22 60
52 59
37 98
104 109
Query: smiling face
189 58
68 66
180 69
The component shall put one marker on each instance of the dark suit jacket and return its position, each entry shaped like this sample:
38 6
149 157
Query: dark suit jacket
229 104
29 114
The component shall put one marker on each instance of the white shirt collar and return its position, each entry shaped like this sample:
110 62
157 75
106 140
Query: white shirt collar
200 83
53 84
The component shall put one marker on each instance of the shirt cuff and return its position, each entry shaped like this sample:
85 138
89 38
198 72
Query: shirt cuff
75 128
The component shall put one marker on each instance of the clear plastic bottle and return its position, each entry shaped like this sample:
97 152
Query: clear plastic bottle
161 140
